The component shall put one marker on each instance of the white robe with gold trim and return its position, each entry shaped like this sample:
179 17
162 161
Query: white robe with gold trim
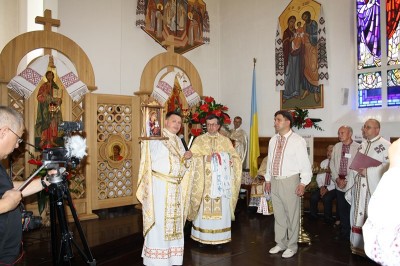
162 189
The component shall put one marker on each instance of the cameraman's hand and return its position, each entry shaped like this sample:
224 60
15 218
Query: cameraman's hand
50 172
10 200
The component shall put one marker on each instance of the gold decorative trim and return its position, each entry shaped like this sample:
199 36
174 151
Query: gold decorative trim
211 231
211 242
167 178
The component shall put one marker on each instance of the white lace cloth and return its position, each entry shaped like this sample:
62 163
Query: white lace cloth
221 175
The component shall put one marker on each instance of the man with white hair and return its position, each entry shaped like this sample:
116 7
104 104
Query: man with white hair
11 131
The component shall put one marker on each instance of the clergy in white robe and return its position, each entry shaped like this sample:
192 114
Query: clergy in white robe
381 231
240 140
364 182
163 189
216 184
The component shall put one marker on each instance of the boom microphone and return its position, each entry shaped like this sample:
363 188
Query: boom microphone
183 142
76 147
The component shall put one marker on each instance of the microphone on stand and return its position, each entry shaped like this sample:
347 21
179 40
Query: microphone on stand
183 142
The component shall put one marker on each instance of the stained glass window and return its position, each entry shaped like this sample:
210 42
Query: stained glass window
368 33
370 90
372 67
393 31
393 85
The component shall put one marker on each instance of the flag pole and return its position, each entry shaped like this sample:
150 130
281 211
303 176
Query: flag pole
254 150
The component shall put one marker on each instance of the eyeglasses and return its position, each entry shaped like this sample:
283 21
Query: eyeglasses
212 125
19 138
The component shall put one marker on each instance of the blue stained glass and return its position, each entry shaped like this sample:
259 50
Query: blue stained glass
370 90
393 84
368 33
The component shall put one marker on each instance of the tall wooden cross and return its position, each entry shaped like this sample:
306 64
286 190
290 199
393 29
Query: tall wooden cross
48 23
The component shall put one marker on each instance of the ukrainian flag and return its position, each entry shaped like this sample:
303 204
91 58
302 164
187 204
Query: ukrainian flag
254 152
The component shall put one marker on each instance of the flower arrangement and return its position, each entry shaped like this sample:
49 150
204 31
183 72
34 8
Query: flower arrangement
301 119
206 107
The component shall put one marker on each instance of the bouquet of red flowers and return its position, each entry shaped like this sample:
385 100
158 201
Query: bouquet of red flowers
206 107
301 119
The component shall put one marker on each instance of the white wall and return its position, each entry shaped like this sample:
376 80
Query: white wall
119 51
9 21
240 31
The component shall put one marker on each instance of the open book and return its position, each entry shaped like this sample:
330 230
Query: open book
361 161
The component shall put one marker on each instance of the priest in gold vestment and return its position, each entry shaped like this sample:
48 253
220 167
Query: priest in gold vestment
217 177
163 189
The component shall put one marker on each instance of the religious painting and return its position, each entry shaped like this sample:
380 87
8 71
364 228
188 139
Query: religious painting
50 81
186 21
307 103
49 113
152 121
301 59
115 151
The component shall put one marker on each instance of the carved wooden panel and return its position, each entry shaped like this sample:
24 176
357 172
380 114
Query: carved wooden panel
115 129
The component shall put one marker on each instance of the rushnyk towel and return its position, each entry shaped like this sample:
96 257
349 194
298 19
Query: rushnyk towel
27 81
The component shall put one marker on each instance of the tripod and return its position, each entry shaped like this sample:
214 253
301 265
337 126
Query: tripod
59 193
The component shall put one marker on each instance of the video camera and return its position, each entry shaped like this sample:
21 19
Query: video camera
70 155
73 151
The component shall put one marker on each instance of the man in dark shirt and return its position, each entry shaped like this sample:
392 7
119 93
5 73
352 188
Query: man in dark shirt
11 130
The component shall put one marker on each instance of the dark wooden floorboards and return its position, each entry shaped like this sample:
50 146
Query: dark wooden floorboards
116 239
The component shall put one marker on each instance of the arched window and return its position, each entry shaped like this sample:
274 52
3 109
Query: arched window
378 59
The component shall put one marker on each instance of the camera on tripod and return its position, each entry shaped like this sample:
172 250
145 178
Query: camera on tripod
70 155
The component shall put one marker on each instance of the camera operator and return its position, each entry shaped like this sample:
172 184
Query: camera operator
11 130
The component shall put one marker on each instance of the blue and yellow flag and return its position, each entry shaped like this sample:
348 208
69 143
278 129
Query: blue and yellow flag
254 152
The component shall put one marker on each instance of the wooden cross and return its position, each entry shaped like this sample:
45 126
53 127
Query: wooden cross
48 22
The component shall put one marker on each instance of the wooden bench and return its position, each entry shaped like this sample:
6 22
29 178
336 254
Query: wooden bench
320 144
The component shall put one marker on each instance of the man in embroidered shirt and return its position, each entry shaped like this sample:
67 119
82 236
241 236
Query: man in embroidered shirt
216 184
163 187
342 157
288 172
363 182
326 190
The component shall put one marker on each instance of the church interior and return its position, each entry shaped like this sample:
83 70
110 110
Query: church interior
113 64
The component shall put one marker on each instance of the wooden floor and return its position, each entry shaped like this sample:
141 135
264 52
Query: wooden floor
116 239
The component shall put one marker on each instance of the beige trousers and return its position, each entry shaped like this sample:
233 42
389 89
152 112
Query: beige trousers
286 206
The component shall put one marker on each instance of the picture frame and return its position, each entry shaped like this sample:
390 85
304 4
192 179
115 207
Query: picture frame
153 121
308 102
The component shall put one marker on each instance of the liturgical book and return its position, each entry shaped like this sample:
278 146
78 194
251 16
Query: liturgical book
361 161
